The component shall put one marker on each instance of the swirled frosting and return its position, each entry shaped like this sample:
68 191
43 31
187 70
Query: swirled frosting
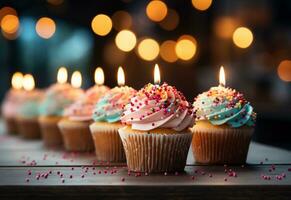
110 107
221 105
157 106
57 98
82 109
13 99
30 104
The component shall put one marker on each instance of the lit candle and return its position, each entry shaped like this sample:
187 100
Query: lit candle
62 76
76 79
17 80
120 77
99 76
28 82
221 77
157 75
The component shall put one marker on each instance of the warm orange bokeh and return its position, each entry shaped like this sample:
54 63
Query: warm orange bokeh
10 24
125 40
284 70
148 49
168 52
156 10
101 24
201 4
45 27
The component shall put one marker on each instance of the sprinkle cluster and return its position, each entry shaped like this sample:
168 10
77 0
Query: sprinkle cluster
165 98
220 103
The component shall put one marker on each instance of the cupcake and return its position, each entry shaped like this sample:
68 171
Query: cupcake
224 127
106 118
75 126
10 106
57 98
156 137
27 117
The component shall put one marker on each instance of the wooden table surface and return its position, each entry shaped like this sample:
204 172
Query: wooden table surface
27 169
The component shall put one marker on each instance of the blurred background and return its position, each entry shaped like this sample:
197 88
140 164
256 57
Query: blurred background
189 40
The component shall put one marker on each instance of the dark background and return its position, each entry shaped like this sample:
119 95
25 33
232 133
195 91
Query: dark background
252 71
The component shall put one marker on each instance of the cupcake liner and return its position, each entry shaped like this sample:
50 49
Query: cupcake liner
221 145
155 151
28 128
107 141
11 125
76 135
50 131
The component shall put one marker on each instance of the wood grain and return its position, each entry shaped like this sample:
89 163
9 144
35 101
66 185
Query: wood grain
83 177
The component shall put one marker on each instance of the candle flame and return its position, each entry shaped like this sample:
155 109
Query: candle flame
62 76
221 76
99 76
28 82
120 76
157 76
17 80
76 79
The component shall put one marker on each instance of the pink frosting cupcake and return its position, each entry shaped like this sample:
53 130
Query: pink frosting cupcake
156 137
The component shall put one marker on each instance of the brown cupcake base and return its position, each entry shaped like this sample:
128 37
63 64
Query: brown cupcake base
159 150
28 128
50 131
107 141
11 125
76 135
220 144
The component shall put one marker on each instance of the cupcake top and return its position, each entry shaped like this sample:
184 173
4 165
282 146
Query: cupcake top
82 109
13 99
157 106
221 105
110 107
30 105
57 98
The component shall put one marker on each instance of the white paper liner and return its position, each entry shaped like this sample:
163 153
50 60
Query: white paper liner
108 146
221 146
150 152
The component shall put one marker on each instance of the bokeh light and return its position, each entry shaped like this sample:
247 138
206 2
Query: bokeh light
125 40
156 10
76 79
171 21
242 37
284 70
225 26
188 37
101 24
148 49
10 24
7 11
28 82
186 47
121 20
201 4
168 52
17 80
45 27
